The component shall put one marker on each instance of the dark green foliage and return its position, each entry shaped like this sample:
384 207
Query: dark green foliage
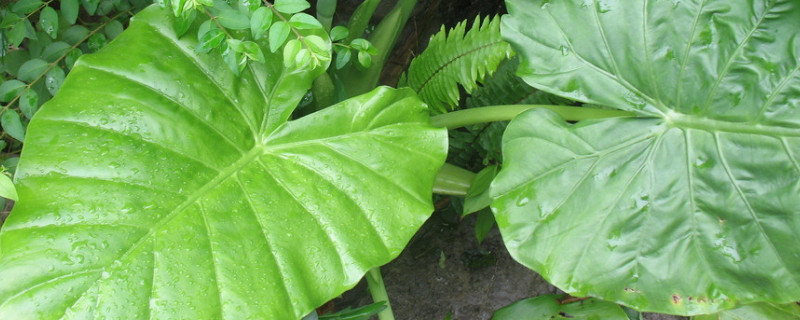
41 40
457 58
478 145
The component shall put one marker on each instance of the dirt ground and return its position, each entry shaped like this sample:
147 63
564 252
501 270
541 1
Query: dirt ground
443 270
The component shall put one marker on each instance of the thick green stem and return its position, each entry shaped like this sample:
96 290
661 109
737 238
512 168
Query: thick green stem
324 91
453 180
378 291
325 11
383 38
360 19
461 118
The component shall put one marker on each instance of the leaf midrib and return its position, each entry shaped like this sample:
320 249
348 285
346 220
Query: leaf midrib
684 121
192 199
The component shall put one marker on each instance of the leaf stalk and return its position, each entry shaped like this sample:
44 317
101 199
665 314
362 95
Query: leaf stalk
378 291
466 117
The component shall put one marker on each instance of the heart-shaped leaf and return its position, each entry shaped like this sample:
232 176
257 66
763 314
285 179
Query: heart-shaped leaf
558 306
158 185
769 311
691 208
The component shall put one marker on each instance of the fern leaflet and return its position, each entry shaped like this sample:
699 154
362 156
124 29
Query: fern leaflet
458 57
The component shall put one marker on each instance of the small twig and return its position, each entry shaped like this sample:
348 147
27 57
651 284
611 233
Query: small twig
296 33
38 9
214 18
55 63
571 299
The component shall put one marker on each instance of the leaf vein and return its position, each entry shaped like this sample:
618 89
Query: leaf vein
118 133
208 75
267 241
214 263
733 54
750 209
692 38
154 90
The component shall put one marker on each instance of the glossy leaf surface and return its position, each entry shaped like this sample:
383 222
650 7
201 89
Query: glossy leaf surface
547 307
161 186
757 311
692 207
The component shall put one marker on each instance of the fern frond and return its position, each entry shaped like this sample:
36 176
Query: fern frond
479 145
457 57
505 87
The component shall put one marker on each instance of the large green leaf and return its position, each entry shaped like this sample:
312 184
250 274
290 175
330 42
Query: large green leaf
556 306
692 207
157 185
757 311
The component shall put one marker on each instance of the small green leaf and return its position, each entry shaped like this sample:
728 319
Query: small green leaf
277 35
260 22
318 45
17 33
250 6
303 58
10 19
32 69
184 22
11 163
291 6
364 59
70 10
13 125
234 60
210 40
235 44
72 57
478 194
13 60
7 189
343 55
36 47
26 6
233 19
290 51
252 51
90 6
48 22
113 28
304 21
339 33
180 6
75 34
54 50
29 103
54 79
30 31
105 7
483 224
96 41
360 313
364 45
10 89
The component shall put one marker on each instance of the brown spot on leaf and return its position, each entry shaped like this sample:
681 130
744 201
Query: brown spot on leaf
676 299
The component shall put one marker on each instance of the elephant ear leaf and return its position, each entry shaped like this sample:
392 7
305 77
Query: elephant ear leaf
159 185
693 206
